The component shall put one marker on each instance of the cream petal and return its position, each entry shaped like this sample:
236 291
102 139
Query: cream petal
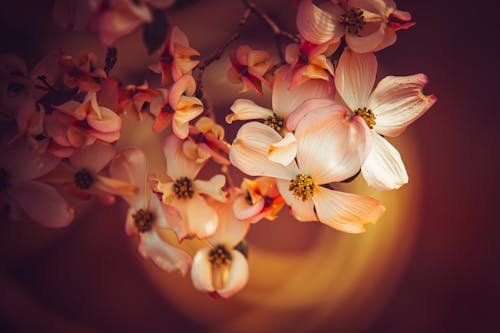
308 106
345 211
94 157
354 78
164 255
286 100
331 146
42 203
398 101
249 152
115 186
368 43
107 121
130 228
212 187
383 168
230 230
245 109
201 271
198 218
178 164
242 210
185 84
302 210
130 165
237 277
316 25
284 152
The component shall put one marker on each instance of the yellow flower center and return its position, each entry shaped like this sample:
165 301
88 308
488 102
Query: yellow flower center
143 220
183 188
352 20
83 179
302 187
275 123
367 115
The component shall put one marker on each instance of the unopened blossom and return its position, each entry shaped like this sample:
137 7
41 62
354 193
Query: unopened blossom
221 269
177 58
249 67
258 199
84 175
177 107
74 125
327 151
22 191
367 25
134 99
284 101
310 61
81 71
145 214
192 215
206 140
395 103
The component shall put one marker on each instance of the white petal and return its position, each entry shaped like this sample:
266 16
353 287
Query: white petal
345 211
383 168
249 152
237 277
354 78
316 25
286 100
302 210
212 187
201 271
245 109
398 101
331 146
284 152
164 255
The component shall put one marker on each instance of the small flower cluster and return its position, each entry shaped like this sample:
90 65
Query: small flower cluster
326 123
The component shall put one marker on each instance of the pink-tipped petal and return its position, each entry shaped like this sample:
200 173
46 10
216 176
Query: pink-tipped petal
106 121
201 271
309 106
164 255
383 168
237 277
230 230
354 78
345 211
243 210
398 101
42 203
302 210
185 84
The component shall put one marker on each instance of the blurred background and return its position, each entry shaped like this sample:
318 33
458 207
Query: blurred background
429 265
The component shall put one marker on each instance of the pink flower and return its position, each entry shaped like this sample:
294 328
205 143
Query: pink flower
206 140
368 25
24 193
192 216
134 99
310 61
220 268
82 71
176 57
83 175
249 67
177 106
327 151
259 198
145 214
76 125
395 103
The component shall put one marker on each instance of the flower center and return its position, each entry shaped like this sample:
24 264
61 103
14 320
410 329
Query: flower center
183 188
4 179
302 187
167 109
367 115
143 220
352 20
83 179
220 258
167 58
275 123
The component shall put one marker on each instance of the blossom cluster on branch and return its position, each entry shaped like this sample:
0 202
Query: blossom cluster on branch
327 122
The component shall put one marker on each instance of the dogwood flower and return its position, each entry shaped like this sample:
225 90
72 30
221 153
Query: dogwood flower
310 61
249 67
82 71
134 99
259 198
192 216
176 57
368 25
145 213
395 103
221 269
327 151
177 106
24 193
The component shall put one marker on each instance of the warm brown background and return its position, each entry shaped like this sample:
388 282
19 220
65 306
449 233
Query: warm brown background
451 283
